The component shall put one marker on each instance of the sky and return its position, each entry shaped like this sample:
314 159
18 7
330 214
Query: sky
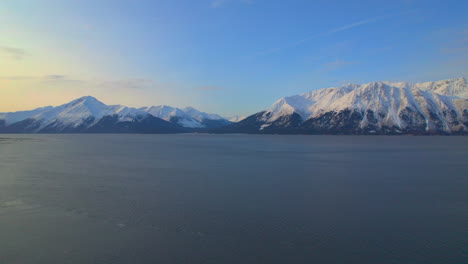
232 57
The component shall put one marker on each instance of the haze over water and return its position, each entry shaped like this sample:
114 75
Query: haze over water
232 199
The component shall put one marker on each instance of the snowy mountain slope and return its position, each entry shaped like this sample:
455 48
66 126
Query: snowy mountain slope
87 114
208 120
304 104
452 87
80 115
235 118
439 107
74 113
13 117
174 115
187 117
200 116
377 107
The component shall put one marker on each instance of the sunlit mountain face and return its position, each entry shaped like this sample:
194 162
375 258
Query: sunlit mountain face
373 108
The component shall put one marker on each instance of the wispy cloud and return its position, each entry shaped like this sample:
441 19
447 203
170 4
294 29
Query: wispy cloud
337 64
132 84
17 78
58 79
220 3
12 53
325 34
357 24
209 88
109 84
336 30
44 78
455 43
55 77
454 50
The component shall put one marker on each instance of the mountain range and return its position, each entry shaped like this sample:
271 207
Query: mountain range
439 107
89 115
374 108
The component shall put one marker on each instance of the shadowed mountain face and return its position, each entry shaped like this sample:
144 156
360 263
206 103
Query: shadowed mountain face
147 125
375 108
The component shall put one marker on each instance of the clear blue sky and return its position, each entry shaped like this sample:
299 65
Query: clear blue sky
224 56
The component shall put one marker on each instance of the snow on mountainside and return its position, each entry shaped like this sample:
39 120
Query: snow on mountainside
73 113
87 113
236 118
173 114
14 117
84 110
186 117
81 113
451 87
208 120
439 107
393 107
200 116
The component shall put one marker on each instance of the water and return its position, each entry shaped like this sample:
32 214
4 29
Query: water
232 199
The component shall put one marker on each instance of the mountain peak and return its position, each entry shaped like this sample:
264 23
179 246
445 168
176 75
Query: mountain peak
190 109
382 106
459 79
86 100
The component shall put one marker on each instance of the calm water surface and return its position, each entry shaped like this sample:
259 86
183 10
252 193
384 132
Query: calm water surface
232 199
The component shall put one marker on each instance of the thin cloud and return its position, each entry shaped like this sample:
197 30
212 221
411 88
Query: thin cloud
454 50
268 51
337 64
209 88
220 3
12 53
132 84
455 43
51 79
324 34
336 30
55 77
17 78
357 24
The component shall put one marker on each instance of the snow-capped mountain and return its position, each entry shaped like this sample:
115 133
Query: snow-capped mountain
208 120
439 107
173 114
377 107
13 117
186 117
87 114
236 118
86 110
452 87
